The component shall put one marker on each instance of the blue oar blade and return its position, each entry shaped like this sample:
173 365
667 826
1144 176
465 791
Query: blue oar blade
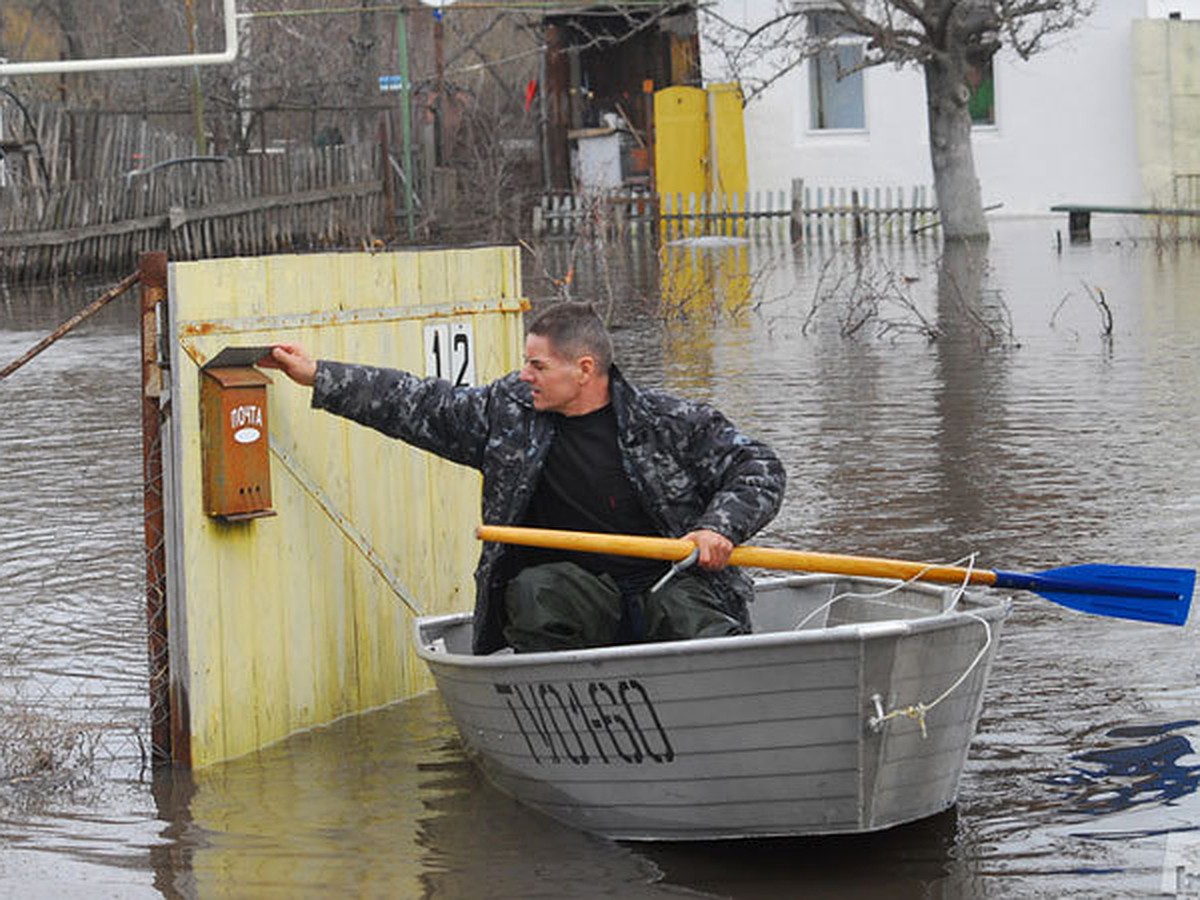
1142 593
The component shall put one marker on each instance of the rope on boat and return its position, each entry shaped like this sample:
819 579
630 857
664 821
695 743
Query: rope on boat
920 709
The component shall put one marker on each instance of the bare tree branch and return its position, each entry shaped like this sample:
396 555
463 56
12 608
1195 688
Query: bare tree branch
948 40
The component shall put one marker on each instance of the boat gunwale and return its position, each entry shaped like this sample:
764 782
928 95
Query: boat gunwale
988 608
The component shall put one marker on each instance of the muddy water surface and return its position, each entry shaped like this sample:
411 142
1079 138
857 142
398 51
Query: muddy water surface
1023 433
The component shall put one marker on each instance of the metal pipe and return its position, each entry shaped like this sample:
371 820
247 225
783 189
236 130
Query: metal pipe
114 64
544 123
169 729
197 87
90 310
406 122
557 7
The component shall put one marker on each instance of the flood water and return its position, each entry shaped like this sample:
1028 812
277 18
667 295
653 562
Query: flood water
1027 433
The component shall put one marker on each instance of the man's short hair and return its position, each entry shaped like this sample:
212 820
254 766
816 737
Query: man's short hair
574 330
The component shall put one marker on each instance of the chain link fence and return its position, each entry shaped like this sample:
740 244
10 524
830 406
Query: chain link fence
73 625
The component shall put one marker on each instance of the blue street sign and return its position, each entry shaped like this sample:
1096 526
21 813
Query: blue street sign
392 83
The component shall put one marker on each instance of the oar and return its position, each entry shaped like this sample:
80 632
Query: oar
1142 593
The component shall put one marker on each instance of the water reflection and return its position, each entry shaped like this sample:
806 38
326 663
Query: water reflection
973 404
379 805
1134 772
1056 446
705 288
707 278
912 861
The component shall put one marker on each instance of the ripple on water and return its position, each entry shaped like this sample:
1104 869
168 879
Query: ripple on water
1058 447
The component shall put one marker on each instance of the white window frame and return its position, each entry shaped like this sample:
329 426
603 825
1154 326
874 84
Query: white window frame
811 8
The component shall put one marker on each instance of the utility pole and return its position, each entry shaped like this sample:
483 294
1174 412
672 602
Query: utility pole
197 91
405 118
439 62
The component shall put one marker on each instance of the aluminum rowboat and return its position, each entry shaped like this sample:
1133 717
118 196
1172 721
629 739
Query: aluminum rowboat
786 731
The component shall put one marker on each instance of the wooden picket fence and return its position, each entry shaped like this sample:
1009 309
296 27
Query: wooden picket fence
672 215
853 214
808 214
47 145
197 208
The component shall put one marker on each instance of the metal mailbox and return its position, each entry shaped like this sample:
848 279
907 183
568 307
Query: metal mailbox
234 442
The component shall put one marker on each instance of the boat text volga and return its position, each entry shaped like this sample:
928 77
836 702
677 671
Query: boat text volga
849 708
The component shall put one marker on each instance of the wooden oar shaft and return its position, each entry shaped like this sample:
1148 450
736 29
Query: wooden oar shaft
674 549
872 566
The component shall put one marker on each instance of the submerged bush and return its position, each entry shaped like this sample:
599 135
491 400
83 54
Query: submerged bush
40 754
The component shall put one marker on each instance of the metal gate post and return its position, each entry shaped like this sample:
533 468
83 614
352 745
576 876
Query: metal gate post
153 270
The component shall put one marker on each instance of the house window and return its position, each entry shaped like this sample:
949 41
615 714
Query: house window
834 79
982 100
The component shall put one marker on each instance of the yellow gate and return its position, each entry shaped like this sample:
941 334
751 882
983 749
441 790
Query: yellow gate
286 621
700 148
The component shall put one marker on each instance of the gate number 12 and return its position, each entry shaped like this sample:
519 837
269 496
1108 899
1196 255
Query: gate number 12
450 353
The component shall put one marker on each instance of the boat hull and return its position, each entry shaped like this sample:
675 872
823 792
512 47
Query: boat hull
773 733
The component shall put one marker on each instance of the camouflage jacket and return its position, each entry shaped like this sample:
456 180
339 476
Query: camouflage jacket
690 467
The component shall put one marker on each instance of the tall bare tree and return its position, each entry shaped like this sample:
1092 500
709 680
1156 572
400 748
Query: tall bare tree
947 39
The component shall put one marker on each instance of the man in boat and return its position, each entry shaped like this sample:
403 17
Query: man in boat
568 443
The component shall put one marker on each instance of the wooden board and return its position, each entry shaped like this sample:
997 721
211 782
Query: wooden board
283 623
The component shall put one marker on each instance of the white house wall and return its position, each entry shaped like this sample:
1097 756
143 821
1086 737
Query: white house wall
1167 83
1065 132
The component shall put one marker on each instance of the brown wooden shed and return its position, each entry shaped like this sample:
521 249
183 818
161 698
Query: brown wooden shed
608 59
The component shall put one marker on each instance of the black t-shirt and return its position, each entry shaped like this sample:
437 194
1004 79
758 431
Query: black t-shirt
583 488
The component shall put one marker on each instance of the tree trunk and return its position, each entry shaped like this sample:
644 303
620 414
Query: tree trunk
960 203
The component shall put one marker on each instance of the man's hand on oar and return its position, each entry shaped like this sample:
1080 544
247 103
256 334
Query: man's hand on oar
714 548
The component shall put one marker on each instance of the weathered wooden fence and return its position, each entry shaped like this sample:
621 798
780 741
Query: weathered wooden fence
47 145
841 214
809 214
196 208
675 215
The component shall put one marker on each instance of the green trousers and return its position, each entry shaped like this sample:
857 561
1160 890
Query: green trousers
561 606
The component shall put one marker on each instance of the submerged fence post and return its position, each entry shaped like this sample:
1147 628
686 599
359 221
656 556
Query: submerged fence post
153 271
797 209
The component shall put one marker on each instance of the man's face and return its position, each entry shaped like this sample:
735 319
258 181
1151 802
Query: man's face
556 382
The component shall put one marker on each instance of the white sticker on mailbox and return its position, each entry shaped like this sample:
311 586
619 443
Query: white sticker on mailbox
246 422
